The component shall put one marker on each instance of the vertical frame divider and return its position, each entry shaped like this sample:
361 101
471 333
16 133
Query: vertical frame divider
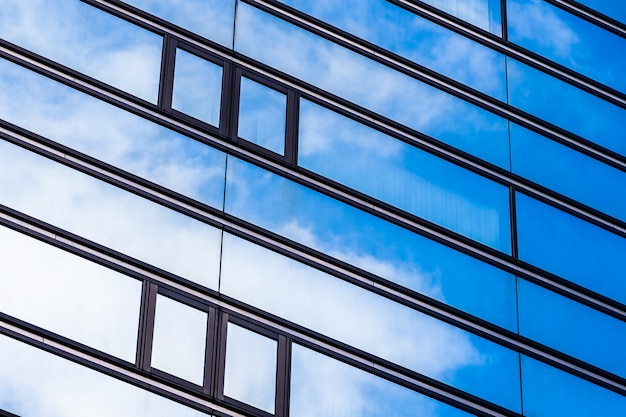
146 326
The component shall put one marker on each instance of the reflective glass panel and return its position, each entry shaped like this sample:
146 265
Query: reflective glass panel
415 38
404 176
325 387
571 248
262 115
179 341
566 106
482 13
197 87
37 383
68 295
549 392
88 40
108 215
366 241
369 322
112 135
572 328
568 172
371 85
250 373
213 19
612 8
573 42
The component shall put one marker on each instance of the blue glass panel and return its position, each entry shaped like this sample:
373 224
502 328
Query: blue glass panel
566 106
369 322
370 243
213 19
571 248
415 38
404 176
88 40
112 135
568 40
612 8
483 13
567 171
371 85
324 387
572 328
262 115
549 392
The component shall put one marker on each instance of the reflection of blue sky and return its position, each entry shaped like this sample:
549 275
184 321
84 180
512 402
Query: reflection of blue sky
91 41
566 106
415 38
571 248
325 387
403 176
369 243
108 215
212 19
568 40
369 322
483 13
112 135
371 85
34 383
612 8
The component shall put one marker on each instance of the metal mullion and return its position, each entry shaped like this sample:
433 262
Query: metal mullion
146 326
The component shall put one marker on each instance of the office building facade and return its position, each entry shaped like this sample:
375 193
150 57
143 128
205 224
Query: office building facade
312 208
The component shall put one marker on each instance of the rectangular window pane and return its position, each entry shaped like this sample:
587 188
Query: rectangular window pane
86 39
179 341
250 372
197 87
68 295
482 13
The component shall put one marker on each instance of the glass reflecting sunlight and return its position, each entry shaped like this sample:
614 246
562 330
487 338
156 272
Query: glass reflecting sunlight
197 87
112 135
250 372
369 322
213 19
325 387
415 38
109 215
371 85
262 115
370 243
179 341
68 295
571 248
404 176
482 13
37 383
568 40
88 40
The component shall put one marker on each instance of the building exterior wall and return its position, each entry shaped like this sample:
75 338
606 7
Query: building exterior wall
312 208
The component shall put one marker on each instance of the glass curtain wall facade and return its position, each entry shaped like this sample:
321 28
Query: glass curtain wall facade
312 208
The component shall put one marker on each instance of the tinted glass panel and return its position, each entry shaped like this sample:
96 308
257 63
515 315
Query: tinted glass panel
571 248
371 85
572 328
197 87
566 106
415 38
549 392
179 342
370 243
404 176
88 40
568 40
568 172
212 19
68 295
250 373
483 13
262 115
612 8
37 383
112 135
369 322
325 387
108 215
